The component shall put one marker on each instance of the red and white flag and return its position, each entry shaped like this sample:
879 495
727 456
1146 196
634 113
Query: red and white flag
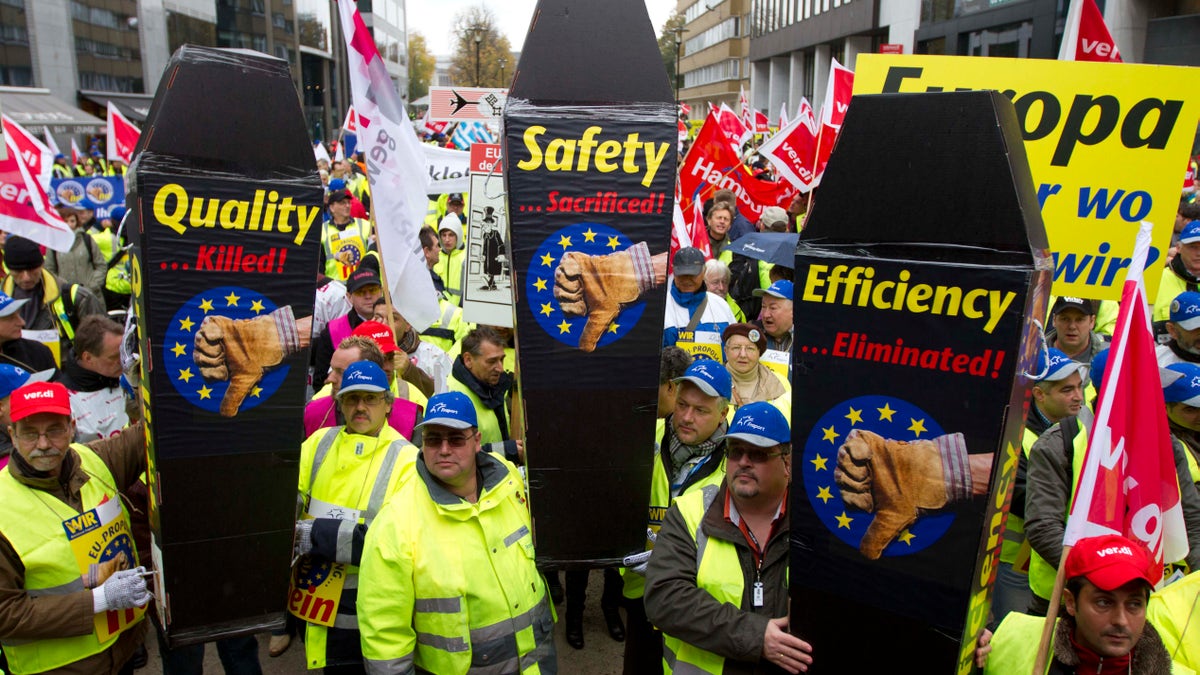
1085 35
75 154
395 169
793 149
783 116
25 207
690 229
837 101
50 143
1129 485
36 156
122 136
350 126
761 124
683 134
736 132
685 109
744 110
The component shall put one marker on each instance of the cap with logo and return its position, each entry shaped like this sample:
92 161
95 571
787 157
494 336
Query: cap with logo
780 289
1088 307
338 195
1185 310
15 377
8 305
39 397
710 376
1109 561
361 278
363 376
1060 366
1182 384
749 331
381 334
761 424
688 261
452 409
1190 233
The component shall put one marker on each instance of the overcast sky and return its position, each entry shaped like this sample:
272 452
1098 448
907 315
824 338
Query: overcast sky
435 18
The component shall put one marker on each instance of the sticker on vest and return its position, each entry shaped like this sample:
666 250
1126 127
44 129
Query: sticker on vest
102 537
705 343
315 590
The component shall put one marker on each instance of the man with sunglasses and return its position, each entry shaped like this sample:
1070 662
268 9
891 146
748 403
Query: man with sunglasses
449 582
68 567
717 582
346 475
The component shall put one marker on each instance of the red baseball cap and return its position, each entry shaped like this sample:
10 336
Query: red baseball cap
1109 561
381 334
40 397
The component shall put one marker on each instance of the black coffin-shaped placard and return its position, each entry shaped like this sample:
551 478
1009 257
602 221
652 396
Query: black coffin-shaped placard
590 158
226 208
917 271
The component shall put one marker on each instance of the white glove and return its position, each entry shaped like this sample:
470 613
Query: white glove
125 589
303 540
636 562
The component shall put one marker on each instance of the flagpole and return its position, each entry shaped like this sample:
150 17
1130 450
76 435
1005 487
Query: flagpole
1043 652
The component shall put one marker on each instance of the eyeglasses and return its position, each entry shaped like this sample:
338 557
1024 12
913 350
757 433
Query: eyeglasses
756 455
455 441
741 349
354 398
53 434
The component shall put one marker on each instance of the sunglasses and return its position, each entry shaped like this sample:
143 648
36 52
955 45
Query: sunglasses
756 455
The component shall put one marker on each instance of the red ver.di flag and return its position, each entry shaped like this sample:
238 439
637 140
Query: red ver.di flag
1129 485
1086 36
122 136
24 207
793 148
833 111
395 168
37 156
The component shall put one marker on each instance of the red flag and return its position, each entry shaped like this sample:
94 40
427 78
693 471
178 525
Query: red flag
683 134
736 132
710 166
74 152
690 230
685 109
395 171
34 153
1129 485
837 101
793 148
122 136
24 205
1085 35
761 125
350 126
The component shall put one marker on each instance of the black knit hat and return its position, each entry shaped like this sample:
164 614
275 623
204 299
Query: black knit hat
22 254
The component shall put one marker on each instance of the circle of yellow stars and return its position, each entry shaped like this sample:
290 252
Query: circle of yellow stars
821 463
187 324
548 260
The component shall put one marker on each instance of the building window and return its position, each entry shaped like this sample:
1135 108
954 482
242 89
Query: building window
717 72
725 30
1010 41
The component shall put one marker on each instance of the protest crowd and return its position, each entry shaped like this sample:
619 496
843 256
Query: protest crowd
412 477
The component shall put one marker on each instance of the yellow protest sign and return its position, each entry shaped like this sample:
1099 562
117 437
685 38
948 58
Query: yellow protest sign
102 537
1107 146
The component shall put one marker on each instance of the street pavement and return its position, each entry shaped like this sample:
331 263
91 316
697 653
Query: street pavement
601 655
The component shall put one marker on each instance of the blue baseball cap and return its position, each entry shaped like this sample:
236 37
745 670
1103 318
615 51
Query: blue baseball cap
761 424
337 184
710 376
452 409
779 289
1099 363
1185 310
1185 384
363 376
13 378
1190 233
117 214
1061 366
8 305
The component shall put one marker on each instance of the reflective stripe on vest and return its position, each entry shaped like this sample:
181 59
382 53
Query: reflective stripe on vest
718 571
316 635
36 535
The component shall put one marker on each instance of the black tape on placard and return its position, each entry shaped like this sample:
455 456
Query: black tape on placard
226 204
590 166
912 309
